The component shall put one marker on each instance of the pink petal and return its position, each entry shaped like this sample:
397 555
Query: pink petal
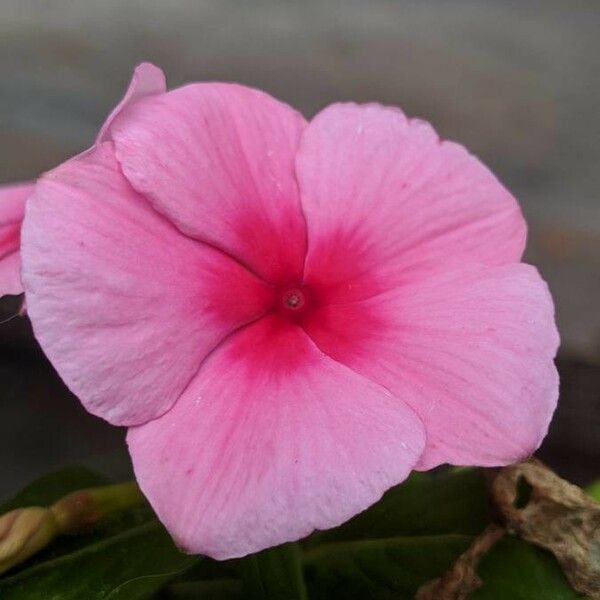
475 344
217 160
382 193
271 440
147 80
12 209
123 304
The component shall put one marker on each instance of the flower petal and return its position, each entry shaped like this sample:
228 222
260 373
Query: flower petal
474 343
147 80
217 160
382 193
271 440
123 304
12 209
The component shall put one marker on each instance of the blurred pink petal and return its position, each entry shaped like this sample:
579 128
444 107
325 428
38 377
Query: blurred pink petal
282 309
12 209
127 308
271 440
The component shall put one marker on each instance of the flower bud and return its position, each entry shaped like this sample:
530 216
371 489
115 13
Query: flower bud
23 532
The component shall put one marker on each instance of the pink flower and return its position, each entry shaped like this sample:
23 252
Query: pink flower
289 316
12 207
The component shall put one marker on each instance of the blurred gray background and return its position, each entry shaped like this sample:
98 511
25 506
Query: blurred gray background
516 81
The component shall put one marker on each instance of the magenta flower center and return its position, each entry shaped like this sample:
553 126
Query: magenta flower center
294 301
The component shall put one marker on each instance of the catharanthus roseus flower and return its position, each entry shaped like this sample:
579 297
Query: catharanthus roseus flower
289 316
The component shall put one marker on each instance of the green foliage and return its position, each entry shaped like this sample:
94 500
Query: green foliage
594 490
275 574
425 504
126 557
386 569
521 571
411 536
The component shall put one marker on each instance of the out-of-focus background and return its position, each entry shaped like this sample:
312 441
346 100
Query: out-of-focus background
516 81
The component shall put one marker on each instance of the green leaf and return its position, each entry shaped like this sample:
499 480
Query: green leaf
125 557
130 565
395 568
274 574
383 569
217 589
520 571
451 501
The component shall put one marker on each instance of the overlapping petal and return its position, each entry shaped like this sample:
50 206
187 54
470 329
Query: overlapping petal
218 160
147 80
382 193
123 304
474 343
271 440
12 209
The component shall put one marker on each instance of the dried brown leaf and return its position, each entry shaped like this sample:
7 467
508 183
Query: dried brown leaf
543 509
